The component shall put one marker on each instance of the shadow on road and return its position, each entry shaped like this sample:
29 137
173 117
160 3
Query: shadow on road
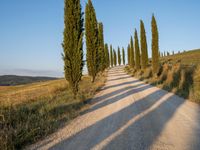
139 131
120 78
121 84
130 90
130 127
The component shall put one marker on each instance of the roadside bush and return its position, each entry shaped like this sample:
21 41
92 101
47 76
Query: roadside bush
173 78
177 78
147 73
195 92
163 75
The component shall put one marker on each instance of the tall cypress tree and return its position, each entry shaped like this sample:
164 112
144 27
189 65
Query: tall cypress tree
73 43
107 56
119 56
91 27
137 51
129 55
123 56
155 46
143 42
101 51
115 58
132 55
111 56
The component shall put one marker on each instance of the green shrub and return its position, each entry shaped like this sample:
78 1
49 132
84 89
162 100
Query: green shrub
173 78
195 92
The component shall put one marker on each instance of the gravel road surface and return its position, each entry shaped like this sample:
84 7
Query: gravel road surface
128 114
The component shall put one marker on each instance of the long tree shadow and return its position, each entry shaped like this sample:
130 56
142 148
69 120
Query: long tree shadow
131 90
119 74
121 84
105 96
143 133
96 133
120 78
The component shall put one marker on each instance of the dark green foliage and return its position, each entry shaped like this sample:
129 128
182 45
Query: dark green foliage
73 43
128 53
196 86
107 56
168 54
137 51
155 46
132 55
91 27
119 56
115 58
111 56
123 56
101 51
143 42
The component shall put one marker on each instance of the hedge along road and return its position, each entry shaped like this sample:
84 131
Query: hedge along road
129 114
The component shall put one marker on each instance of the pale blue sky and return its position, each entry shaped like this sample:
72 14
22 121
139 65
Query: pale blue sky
31 30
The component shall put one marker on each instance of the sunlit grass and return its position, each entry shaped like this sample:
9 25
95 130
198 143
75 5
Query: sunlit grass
30 112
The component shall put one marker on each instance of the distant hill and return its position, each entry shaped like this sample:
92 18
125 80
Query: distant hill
11 80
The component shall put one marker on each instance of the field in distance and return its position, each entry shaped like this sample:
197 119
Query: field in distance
10 80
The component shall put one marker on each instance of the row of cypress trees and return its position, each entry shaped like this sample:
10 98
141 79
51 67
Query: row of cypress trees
97 55
117 57
138 54
97 52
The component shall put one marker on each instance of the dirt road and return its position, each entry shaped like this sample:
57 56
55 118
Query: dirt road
128 114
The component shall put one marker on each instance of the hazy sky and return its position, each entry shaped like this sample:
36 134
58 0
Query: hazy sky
31 30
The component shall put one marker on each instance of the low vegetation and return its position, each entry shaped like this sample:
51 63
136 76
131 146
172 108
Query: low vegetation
31 112
181 78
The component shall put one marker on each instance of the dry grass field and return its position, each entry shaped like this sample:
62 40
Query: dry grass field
31 112
23 93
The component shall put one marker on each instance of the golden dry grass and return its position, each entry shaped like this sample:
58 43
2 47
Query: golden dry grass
191 57
31 112
23 93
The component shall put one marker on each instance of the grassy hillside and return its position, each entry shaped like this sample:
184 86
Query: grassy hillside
8 80
30 112
179 73
187 58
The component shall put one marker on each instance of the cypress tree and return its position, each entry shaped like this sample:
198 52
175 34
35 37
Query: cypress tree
123 55
119 56
137 51
128 53
91 27
115 58
168 54
107 56
132 55
111 56
101 51
143 42
73 43
155 46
